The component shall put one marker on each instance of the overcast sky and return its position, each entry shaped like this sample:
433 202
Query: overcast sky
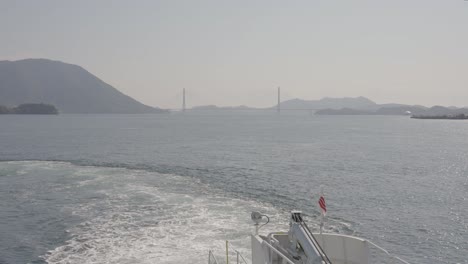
238 52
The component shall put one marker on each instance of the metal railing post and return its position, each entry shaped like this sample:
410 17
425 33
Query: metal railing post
227 252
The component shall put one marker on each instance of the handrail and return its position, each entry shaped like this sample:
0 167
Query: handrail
210 254
238 254
388 253
278 252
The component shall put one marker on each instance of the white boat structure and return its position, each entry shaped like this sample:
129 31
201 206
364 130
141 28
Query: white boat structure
300 246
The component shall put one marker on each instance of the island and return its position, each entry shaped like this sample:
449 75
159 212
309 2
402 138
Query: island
343 111
452 117
415 111
69 87
30 109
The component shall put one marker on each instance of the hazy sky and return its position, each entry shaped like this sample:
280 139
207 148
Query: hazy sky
238 52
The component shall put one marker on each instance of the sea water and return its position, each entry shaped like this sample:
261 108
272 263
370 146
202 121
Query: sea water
168 188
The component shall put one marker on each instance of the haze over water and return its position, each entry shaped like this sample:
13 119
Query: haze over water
237 52
166 188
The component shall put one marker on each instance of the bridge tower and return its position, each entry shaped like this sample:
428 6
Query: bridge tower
183 100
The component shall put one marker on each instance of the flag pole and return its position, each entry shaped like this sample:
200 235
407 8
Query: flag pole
321 211
321 223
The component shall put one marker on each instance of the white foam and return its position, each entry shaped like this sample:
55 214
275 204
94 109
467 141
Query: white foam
147 217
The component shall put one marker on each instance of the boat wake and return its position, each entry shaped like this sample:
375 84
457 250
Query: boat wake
120 215
135 216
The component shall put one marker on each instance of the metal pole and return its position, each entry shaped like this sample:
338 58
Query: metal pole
322 216
321 223
227 253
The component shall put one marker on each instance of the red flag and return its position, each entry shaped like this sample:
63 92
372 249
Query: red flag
322 205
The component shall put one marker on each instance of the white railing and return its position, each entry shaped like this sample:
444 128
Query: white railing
388 253
346 248
211 258
239 258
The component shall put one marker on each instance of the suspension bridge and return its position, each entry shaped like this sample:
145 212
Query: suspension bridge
278 108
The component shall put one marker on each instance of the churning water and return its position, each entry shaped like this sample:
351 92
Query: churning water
167 188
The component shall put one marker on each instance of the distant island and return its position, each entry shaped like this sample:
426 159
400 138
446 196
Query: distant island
70 88
214 107
358 106
415 111
359 103
343 111
396 110
30 109
353 106
452 117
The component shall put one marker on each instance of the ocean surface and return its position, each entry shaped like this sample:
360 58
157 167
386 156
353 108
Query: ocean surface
167 188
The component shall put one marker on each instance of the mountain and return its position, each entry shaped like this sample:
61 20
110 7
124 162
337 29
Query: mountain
353 106
395 110
401 110
417 111
69 87
442 110
360 103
